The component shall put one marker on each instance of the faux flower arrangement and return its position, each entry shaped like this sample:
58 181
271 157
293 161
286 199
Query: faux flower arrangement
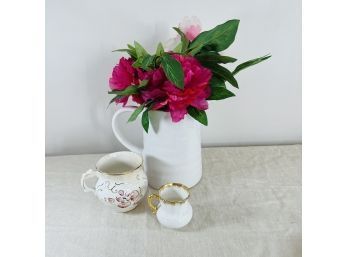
180 81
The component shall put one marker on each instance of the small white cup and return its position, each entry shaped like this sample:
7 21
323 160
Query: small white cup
173 209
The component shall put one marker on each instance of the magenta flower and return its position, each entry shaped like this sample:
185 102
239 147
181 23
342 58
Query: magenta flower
155 81
166 96
195 92
123 75
160 91
153 90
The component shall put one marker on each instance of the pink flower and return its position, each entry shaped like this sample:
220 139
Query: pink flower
123 75
160 93
134 196
166 96
191 27
153 90
126 199
195 92
109 200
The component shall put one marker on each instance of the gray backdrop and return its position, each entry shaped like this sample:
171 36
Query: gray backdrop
80 35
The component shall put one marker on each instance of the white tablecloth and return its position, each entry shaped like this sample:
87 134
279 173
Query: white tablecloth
248 203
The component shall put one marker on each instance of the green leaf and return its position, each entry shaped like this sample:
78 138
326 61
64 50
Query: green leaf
178 48
114 99
219 93
217 39
222 72
131 47
128 91
214 57
143 83
145 120
129 51
131 90
184 41
138 62
136 113
198 115
218 89
147 62
157 61
140 51
173 70
121 50
217 82
247 64
159 50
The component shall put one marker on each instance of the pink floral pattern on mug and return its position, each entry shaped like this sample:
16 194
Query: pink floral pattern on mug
123 199
110 200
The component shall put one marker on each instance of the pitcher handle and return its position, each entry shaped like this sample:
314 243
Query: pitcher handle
88 174
116 129
153 207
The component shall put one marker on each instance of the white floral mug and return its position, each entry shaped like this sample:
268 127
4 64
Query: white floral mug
173 209
122 182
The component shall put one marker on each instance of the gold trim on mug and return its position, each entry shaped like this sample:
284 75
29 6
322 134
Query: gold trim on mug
177 185
151 197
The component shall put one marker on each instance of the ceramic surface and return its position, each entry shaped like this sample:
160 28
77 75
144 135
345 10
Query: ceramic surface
173 209
121 180
171 151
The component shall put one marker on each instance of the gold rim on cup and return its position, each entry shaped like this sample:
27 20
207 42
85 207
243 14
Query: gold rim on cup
176 185
154 208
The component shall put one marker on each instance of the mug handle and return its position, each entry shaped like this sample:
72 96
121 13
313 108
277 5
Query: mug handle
115 128
88 174
153 207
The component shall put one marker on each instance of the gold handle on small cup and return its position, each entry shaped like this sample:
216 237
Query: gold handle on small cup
149 201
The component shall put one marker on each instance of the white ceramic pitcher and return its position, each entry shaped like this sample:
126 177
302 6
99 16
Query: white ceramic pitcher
171 151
